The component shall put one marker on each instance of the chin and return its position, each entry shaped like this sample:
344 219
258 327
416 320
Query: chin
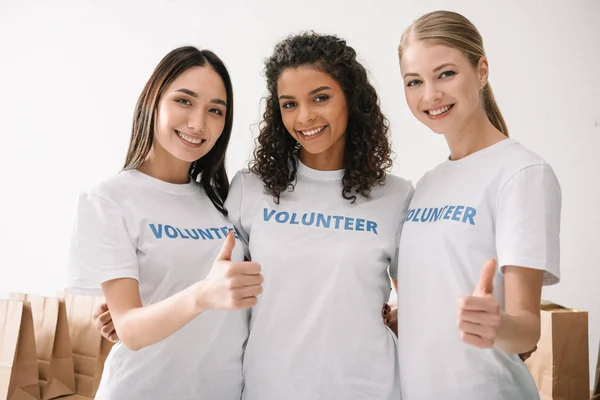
315 149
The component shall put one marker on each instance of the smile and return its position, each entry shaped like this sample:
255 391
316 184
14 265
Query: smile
189 138
439 111
312 132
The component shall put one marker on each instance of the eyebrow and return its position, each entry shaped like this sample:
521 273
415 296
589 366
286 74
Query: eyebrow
195 95
436 69
314 91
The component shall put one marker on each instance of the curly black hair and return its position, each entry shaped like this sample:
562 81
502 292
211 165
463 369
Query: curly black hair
367 152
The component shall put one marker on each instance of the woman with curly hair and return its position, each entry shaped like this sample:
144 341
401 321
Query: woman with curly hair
323 217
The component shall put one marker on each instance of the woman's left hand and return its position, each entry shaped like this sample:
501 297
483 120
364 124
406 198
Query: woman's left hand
479 315
390 317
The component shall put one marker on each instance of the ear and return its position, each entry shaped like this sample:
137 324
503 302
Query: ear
482 71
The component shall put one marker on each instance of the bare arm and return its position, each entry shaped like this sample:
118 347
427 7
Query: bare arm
519 329
140 326
227 286
515 330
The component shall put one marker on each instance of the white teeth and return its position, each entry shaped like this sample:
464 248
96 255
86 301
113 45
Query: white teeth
189 139
439 110
312 131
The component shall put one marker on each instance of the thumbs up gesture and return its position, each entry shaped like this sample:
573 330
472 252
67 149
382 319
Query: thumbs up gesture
479 314
230 285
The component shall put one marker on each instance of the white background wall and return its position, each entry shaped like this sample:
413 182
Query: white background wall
71 71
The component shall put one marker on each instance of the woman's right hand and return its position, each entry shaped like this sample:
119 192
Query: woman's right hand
230 285
104 323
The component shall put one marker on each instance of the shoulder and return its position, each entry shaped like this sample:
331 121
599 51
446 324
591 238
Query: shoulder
396 187
110 189
246 181
517 161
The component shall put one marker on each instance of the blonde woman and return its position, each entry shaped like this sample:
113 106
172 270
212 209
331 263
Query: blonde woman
493 203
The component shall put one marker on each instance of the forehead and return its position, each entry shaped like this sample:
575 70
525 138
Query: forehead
421 57
303 79
202 80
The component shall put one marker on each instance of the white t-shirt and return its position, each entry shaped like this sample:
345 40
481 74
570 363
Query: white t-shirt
166 236
501 202
317 331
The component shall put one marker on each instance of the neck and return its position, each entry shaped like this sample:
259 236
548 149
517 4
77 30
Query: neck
331 159
162 165
476 135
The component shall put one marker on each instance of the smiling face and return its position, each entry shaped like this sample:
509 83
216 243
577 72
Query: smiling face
191 114
314 112
442 88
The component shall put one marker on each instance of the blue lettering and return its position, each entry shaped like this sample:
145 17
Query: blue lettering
181 234
424 217
225 230
470 215
416 217
170 231
205 234
448 212
410 214
349 224
217 232
268 214
437 213
310 222
337 218
457 212
372 226
195 235
360 224
293 221
285 216
157 232
443 211
321 221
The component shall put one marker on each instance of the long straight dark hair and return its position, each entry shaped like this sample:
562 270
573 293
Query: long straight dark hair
211 167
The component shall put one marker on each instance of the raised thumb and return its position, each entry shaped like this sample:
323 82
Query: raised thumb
227 247
485 285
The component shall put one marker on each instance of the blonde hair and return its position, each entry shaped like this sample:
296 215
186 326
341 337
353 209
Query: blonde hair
453 30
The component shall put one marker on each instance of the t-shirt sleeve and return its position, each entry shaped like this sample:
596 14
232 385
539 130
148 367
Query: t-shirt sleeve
528 222
402 217
101 248
234 205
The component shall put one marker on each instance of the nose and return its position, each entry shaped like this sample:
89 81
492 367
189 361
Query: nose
305 115
196 121
432 94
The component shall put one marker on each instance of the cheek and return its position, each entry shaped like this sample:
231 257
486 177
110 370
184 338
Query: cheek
167 116
288 121
467 89
217 124
412 100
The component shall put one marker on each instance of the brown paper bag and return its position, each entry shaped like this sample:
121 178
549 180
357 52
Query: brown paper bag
18 361
560 366
90 349
53 345
596 392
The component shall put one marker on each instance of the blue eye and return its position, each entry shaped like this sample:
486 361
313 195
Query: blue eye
447 74
413 83
289 104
